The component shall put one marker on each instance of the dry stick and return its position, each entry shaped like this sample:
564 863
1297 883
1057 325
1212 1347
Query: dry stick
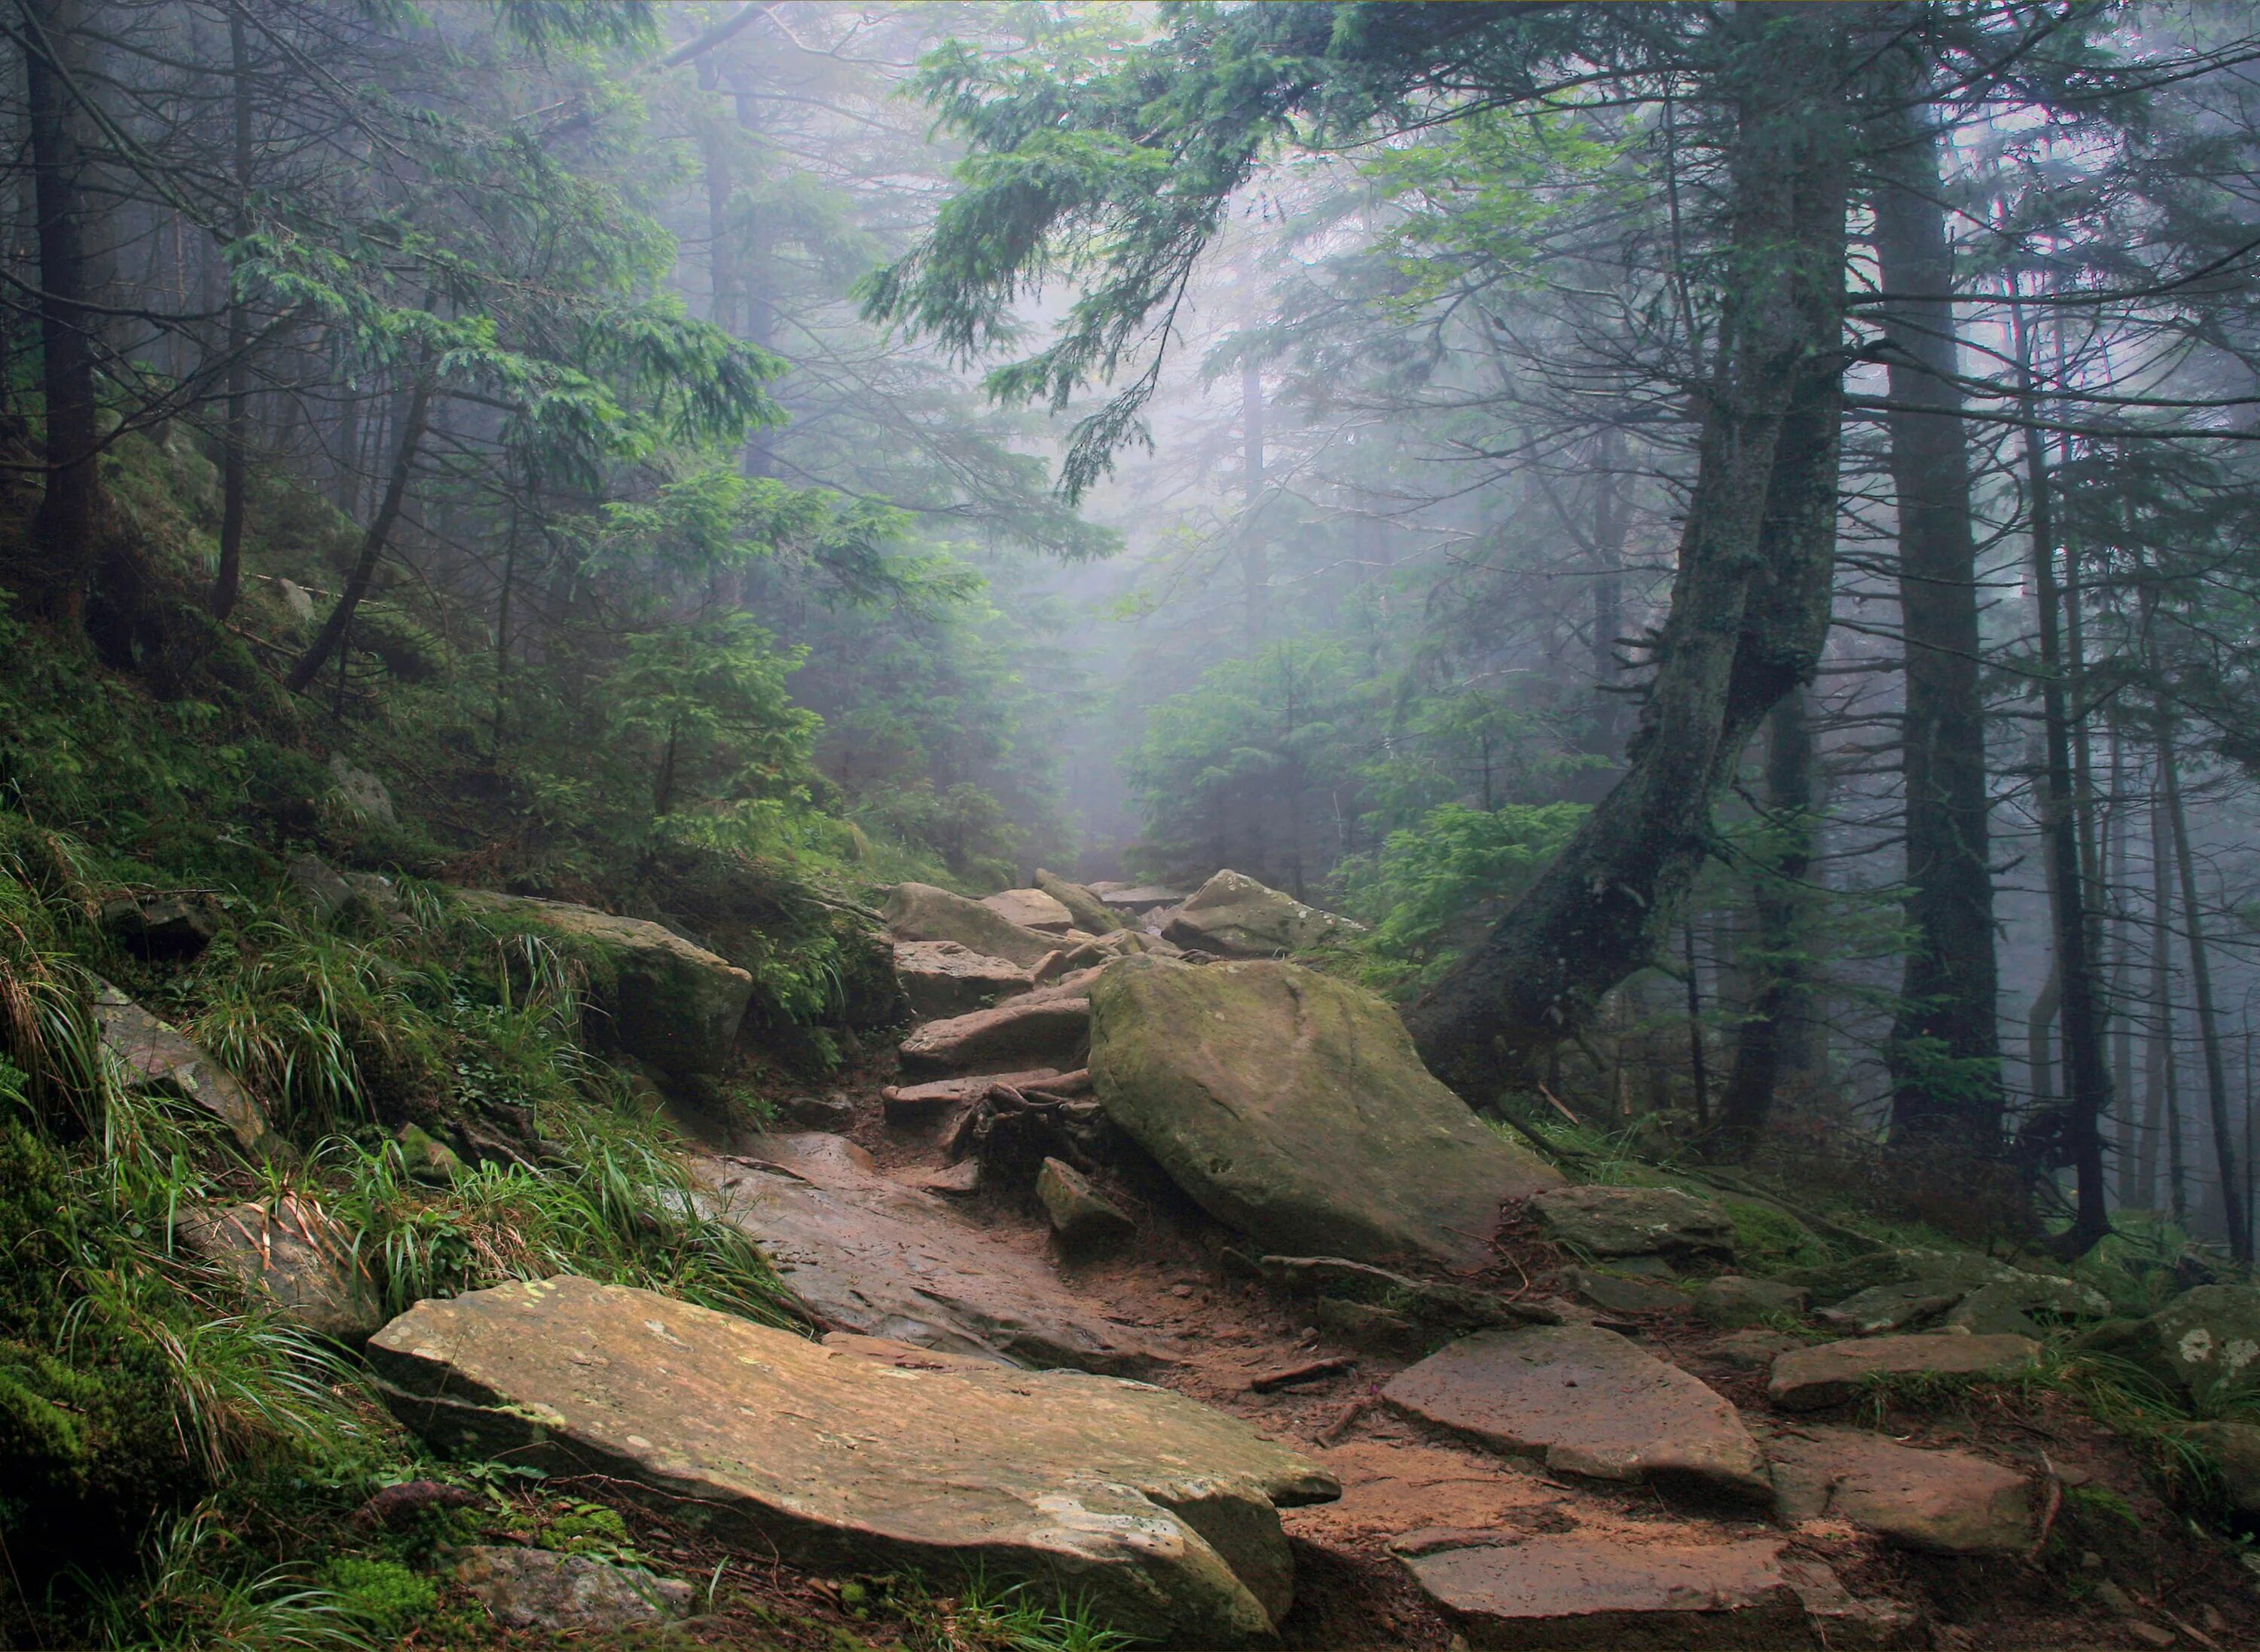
2050 1509
1343 1420
1310 1371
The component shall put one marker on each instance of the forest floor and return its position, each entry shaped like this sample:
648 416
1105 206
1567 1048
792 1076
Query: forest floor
2114 1566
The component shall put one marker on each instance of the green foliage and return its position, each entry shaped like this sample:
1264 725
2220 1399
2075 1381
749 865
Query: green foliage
1767 1240
698 698
1435 888
382 1596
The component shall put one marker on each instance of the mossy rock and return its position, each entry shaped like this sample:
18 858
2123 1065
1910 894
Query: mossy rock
668 1002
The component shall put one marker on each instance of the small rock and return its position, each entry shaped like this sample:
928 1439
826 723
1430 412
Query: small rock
152 1056
319 885
1750 1351
540 1589
2112 1596
1587 1402
429 1159
1082 904
1834 1372
1180 1292
1083 1219
363 794
1618 1293
833 1114
1943 1502
297 601
1057 966
1732 1302
1885 1308
1633 1221
295 1258
2149 1634
941 979
162 926
1031 909
2026 1306
960 1180
2235 1448
1027 1031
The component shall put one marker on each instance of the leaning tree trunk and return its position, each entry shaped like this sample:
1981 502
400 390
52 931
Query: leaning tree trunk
1944 1051
1749 606
63 531
333 633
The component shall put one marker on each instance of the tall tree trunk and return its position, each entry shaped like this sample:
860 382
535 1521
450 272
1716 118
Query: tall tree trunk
235 458
1254 563
2158 1040
1750 602
411 425
1776 1030
63 530
2074 1136
1944 1052
2208 1023
2120 827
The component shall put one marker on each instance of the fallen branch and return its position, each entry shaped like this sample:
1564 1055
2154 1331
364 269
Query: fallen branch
1309 1371
1344 1420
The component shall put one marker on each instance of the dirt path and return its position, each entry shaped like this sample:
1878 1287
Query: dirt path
1178 1293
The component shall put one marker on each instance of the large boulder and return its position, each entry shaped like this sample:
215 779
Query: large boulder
152 1056
1234 915
1586 1401
941 979
919 912
1293 1108
2209 1338
1091 915
1160 1512
672 1004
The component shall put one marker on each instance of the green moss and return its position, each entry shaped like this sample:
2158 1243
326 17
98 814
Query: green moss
1767 1240
383 1594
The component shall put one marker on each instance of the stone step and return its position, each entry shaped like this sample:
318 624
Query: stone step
1944 1502
1808 1378
1032 1031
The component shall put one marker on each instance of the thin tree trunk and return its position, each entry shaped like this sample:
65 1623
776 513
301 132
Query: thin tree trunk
1750 602
2074 1136
332 635
1776 1036
235 456
1697 1061
1254 563
63 530
1944 1051
2208 1023
2158 1042
2123 949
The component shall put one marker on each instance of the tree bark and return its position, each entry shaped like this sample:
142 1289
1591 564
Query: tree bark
1750 602
1775 1034
332 635
2158 1042
1255 564
63 530
2073 1136
1944 1052
235 458
2208 1023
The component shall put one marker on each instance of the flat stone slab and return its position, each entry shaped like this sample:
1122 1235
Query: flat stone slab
941 979
1031 909
153 1056
882 1259
1945 1502
1573 1590
1588 1402
1030 1031
1732 1302
1633 1221
1881 1309
1162 1512
1807 1378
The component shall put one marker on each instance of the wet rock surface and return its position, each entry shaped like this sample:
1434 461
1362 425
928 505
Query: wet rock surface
1162 1511
1946 1502
153 1056
941 979
1051 1027
1585 1401
921 911
876 1257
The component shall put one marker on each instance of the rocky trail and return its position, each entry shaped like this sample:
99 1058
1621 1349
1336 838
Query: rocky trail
1396 1383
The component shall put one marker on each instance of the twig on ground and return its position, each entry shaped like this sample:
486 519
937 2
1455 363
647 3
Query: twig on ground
1309 1371
1345 1420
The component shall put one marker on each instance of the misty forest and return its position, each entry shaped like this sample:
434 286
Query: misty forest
1024 825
